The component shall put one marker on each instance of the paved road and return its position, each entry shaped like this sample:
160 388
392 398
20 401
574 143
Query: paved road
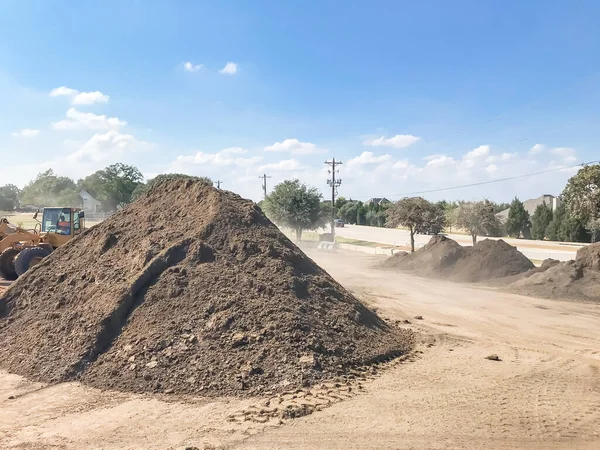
530 248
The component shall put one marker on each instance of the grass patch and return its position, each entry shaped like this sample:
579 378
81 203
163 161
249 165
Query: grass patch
343 240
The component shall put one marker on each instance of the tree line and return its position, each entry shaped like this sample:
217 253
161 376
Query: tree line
114 186
297 206
577 219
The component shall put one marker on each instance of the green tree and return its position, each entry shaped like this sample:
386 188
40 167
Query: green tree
371 218
9 197
553 231
582 193
499 207
540 221
339 203
566 228
434 220
518 223
294 205
593 227
114 185
361 213
415 213
49 189
478 218
450 211
348 212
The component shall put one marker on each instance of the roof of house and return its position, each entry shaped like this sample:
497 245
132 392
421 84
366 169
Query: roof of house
86 195
377 200
530 206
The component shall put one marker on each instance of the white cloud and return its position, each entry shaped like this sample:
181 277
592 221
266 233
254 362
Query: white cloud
63 91
27 133
89 98
229 69
284 165
537 148
295 147
106 146
189 67
80 98
76 120
570 159
233 151
402 164
503 157
441 161
225 158
491 168
563 151
398 141
478 152
368 158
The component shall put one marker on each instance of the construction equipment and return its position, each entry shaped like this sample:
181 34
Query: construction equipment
21 249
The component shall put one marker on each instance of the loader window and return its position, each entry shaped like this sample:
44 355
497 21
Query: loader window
50 219
76 226
63 226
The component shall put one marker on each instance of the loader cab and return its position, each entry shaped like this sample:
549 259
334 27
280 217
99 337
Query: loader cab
62 224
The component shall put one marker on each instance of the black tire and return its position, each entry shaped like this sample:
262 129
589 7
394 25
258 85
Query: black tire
7 263
47 247
28 258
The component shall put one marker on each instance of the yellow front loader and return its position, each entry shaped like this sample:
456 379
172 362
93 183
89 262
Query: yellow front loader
21 249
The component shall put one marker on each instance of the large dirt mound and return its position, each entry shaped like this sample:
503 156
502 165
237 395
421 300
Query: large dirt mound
189 290
442 257
570 280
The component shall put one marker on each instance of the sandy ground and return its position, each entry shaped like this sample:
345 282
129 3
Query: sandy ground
544 394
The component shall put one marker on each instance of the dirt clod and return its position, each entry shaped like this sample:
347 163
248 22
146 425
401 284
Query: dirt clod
493 357
202 291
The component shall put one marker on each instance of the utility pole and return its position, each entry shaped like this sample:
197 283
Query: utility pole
264 186
219 184
334 185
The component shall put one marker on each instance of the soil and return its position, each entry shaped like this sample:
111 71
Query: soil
577 279
544 394
444 258
188 290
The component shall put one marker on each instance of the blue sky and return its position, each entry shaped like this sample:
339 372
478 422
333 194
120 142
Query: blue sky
409 95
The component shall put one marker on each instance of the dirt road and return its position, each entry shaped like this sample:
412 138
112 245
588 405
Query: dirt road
545 393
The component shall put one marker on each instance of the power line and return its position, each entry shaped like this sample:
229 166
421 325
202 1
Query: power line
499 180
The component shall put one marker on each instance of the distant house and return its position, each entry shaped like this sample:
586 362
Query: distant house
531 204
90 204
377 201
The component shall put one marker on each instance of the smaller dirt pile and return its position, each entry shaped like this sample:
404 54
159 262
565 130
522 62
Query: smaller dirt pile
445 258
578 279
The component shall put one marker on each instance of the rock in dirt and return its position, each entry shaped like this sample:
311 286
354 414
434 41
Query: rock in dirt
445 258
201 290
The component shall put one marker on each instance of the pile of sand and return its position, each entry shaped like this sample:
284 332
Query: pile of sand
189 290
578 279
444 258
